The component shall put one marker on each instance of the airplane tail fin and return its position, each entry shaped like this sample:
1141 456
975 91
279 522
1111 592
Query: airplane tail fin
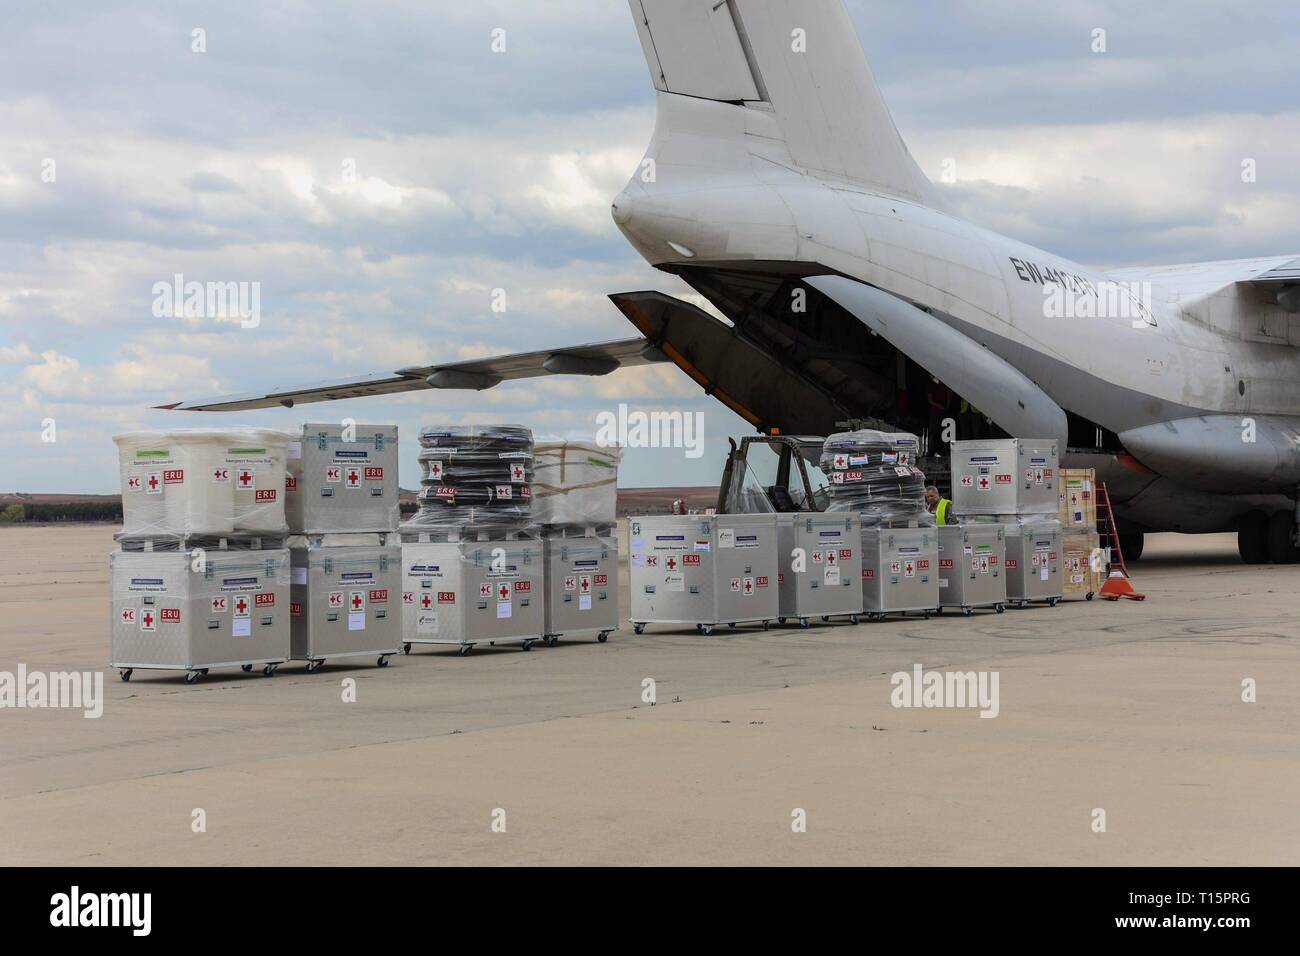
799 58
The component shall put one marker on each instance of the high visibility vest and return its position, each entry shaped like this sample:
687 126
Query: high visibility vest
941 512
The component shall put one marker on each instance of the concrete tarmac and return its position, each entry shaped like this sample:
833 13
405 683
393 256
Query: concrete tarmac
1131 709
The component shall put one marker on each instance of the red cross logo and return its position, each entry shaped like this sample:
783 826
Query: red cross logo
749 585
408 597
841 461
218 605
354 477
967 481
517 472
503 593
830 557
128 615
569 584
241 606
133 483
984 482
147 621
358 601
652 561
672 564
435 469
817 557
426 602
336 599
332 473
909 568
221 474
484 590
584 582
153 482
245 477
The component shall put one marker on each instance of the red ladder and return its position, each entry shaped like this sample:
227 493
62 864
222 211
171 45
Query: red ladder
1117 577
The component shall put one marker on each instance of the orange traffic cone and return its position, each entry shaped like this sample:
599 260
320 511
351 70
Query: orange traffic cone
1117 586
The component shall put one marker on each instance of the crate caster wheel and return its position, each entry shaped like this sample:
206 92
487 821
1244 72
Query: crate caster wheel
706 629
732 625
551 641
780 620
246 668
313 666
406 648
1000 608
825 618
126 673
854 619
926 614
203 671
1022 605
966 612
938 610
270 669
192 677
1051 602
803 623
603 636
527 646
382 662
766 625
464 649
1089 596
638 628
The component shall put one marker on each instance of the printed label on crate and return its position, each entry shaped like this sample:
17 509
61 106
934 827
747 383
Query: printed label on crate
241 626
584 602
379 596
584 583
357 601
352 477
869 573
523 585
153 483
290 483
909 569
149 620
336 599
333 473
374 473
761 580
174 477
726 537
747 588
570 583
747 541
846 554
266 494
1012 564
446 597
1003 479
672 582
735 584
504 610
671 562
702 546
691 560
831 575
245 478
945 564
128 615
264 599
170 615
426 600
601 580
356 620
895 567
426 624
295 608
241 605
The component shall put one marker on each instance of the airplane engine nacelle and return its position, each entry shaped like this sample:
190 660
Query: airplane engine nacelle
1227 454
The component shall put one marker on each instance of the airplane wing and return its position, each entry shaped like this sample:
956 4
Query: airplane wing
596 359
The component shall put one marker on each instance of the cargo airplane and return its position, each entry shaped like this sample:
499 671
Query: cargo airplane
777 186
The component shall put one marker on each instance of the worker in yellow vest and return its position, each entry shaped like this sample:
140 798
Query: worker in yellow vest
940 507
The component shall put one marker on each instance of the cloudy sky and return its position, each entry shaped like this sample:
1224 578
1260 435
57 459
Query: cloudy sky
477 170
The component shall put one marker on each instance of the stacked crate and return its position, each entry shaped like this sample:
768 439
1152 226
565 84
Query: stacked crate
1085 561
471 559
1015 482
574 495
201 575
874 475
341 500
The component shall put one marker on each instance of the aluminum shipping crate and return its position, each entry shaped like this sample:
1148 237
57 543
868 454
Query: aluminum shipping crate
345 599
1007 476
581 592
829 583
1079 576
173 610
900 570
465 593
1034 562
972 567
703 570
334 485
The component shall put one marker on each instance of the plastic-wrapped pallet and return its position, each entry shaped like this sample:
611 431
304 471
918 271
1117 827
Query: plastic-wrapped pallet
575 483
874 474
474 478
342 479
192 482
